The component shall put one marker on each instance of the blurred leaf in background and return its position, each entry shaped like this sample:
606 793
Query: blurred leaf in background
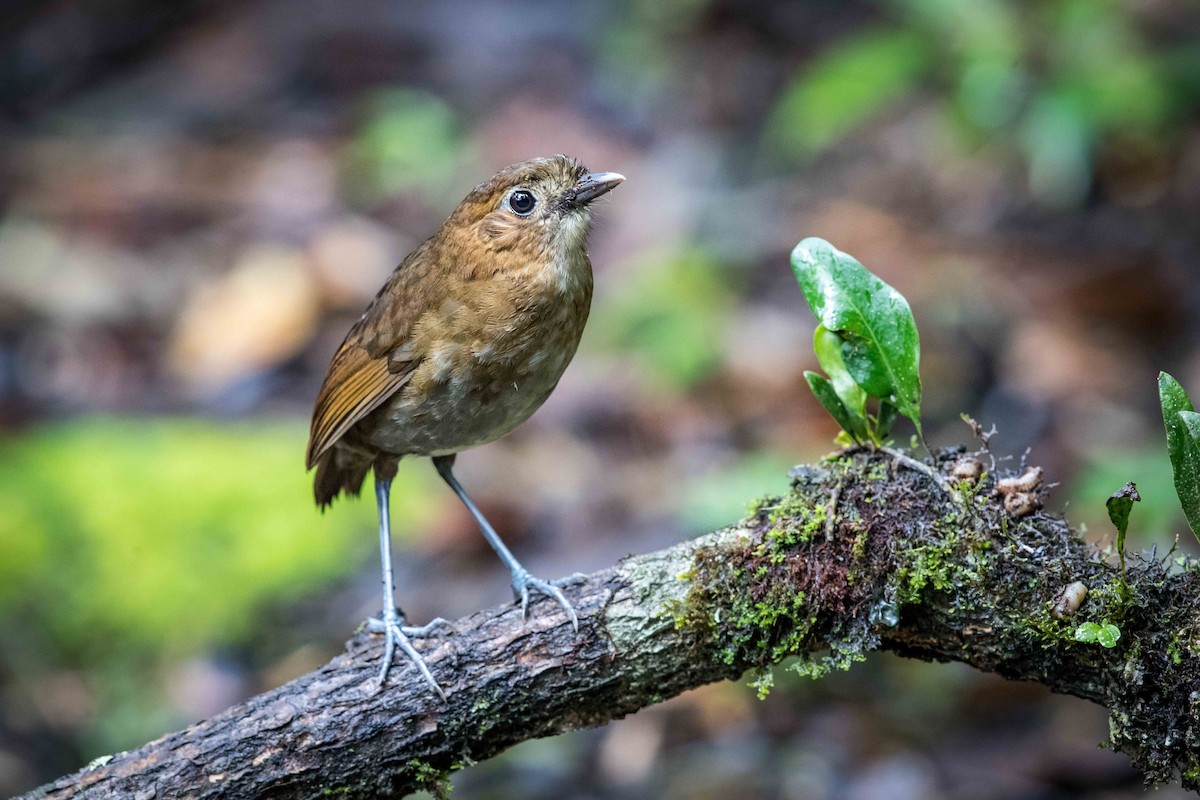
408 141
644 48
169 533
848 85
671 315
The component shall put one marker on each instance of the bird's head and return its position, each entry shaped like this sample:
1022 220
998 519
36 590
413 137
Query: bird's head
541 206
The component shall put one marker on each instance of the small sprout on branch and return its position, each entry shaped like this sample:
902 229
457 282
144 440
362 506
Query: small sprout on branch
866 343
977 430
1120 505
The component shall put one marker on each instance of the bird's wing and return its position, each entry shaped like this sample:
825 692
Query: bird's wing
375 360
356 385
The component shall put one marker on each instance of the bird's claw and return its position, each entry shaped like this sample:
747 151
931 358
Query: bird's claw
396 635
375 625
522 582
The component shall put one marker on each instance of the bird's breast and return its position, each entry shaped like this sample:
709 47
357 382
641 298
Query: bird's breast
488 360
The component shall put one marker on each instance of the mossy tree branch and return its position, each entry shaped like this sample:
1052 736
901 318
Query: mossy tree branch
863 554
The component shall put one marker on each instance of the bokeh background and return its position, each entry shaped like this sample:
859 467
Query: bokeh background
198 198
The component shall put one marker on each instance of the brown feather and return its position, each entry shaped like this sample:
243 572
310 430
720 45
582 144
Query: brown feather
355 387
364 372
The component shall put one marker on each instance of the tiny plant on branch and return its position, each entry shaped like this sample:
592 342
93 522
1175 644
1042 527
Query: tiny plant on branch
866 343
1104 634
1183 443
1120 505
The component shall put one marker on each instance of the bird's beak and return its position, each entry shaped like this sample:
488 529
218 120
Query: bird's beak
594 184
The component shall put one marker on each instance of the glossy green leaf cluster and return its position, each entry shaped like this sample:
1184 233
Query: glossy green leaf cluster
1183 443
866 342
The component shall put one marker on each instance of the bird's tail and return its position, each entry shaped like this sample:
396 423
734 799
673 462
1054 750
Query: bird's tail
339 470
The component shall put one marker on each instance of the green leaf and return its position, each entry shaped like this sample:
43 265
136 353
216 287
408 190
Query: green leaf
885 420
828 397
1108 635
879 341
1087 632
828 347
1182 439
410 141
845 86
1119 507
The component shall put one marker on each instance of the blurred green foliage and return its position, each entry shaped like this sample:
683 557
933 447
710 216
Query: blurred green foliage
848 85
671 315
128 546
408 141
718 497
167 536
643 50
1052 82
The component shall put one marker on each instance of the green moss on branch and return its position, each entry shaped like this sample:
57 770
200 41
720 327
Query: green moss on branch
953 577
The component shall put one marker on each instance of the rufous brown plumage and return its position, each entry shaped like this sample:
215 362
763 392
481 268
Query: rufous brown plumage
465 340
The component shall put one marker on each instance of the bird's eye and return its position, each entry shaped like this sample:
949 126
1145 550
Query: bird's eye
521 202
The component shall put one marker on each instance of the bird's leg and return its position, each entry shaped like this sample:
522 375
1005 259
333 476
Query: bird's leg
392 623
522 581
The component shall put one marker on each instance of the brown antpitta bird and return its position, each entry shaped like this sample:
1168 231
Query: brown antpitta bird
464 342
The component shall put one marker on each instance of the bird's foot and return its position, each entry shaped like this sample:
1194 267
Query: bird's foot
570 580
397 636
374 625
523 582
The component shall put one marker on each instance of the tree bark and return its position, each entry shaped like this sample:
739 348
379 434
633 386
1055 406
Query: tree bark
864 553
